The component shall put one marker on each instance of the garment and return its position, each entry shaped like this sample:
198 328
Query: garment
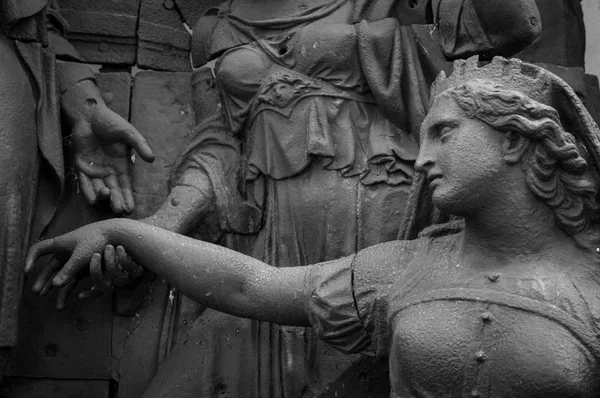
32 159
448 330
310 160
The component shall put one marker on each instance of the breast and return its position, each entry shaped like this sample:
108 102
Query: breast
456 348
241 71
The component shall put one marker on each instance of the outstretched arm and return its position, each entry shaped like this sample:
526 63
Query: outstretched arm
212 275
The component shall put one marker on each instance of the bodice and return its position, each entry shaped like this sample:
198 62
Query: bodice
460 343
448 330
328 53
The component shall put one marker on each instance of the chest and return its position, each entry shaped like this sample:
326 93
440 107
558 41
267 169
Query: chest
466 345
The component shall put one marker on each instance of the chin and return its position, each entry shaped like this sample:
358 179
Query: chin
455 203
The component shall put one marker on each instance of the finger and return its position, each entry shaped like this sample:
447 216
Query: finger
92 293
116 197
114 271
125 184
97 274
87 188
71 268
91 169
100 188
46 288
129 266
45 275
39 249
64 293
135 140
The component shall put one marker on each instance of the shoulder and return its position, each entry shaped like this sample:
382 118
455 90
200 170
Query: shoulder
384 263
213 35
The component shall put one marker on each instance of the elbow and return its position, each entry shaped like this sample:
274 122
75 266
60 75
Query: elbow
517 38
511 26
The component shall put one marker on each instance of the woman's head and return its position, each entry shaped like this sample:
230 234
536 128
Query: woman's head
554 165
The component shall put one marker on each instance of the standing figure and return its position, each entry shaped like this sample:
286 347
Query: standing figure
506 308
34 88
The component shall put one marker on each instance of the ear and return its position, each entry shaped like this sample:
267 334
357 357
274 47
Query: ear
514 146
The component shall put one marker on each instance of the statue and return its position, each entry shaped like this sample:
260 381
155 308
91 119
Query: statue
34 88
317 192
508 147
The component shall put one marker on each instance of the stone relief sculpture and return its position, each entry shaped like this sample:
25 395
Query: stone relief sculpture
35 88
238 31
508 147
312 153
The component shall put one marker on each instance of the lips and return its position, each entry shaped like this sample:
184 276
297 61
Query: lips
433 177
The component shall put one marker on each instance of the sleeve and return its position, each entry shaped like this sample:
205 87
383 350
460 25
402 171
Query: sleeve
376 271
331 307
490 27
69 70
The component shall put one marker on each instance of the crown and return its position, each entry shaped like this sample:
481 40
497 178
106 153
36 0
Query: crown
513 74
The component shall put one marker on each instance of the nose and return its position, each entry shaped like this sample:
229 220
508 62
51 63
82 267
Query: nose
424 160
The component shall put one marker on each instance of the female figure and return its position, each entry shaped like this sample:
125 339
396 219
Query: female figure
506 308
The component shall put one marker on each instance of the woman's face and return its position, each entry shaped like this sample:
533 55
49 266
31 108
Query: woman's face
462 158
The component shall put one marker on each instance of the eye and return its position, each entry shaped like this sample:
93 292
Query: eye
445 131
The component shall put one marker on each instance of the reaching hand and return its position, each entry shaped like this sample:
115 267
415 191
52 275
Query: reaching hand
101 144
76 247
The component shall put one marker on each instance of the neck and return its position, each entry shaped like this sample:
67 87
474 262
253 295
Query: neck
519 228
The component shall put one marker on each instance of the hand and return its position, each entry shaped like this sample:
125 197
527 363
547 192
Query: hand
119 271
101 144
76 247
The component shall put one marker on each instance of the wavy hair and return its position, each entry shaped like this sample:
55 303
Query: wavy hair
554 165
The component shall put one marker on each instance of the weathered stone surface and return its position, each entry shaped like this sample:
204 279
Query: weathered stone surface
103 32
205 95
115 88
30 388
163 42
137 341
192 10
162 111
592 100
77 343
562 41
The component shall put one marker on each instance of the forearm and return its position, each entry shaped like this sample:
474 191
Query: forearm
186 206
215 276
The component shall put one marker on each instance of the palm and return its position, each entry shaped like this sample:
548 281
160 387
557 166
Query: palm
102 157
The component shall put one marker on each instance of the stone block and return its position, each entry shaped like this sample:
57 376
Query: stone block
104 32
30 388
192 10
163 41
